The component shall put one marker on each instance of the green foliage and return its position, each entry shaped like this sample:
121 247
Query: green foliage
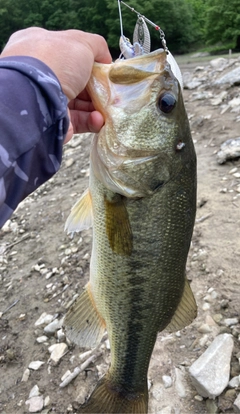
199 8
10 20
174 17
222 22
186 23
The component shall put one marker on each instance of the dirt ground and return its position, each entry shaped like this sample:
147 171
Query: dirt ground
41 269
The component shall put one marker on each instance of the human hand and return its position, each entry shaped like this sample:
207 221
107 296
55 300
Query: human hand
70 54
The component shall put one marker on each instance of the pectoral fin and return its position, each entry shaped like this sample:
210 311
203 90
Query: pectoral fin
83 324
118 227
80 217
186 311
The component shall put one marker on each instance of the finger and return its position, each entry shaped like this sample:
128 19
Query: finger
95 121
81 105
69 133
86 121
99 47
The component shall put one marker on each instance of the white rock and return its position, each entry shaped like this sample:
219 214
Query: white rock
214 294
203 340
25 375
67 373
46 401
52 347
204 328
34 392
233 170
199 68
107 343
198 96
212 324
69 162
205 306
179 382
235 102
53 326
230 321
219 98
42 339
61 335
167 381
218 63
229 149
35 404
44 319
85 355
210 373
193 84
198 398
72 359
165 410
58 352
230 78
35 365
48 275
235 382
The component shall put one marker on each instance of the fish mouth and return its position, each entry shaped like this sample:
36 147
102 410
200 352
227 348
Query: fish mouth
123 72
133 153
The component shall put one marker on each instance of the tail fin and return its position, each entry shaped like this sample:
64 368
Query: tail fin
107 398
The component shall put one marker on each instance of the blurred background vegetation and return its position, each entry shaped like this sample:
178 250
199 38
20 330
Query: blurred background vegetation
189 25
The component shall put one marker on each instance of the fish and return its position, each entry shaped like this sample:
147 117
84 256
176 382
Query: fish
141 204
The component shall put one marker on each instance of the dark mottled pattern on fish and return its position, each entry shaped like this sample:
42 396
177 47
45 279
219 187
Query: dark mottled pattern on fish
142 192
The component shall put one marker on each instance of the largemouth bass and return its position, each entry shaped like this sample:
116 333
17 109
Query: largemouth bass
141 203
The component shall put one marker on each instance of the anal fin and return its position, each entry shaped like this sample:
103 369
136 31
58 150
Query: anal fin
186 311
83 324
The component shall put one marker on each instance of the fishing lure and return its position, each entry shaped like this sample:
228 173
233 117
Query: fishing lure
141 36
142 41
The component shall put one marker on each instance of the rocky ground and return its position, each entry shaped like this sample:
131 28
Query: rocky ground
42 270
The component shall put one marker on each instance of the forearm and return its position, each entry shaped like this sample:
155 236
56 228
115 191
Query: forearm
33 125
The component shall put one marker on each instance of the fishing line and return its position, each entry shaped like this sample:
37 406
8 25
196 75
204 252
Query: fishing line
156 27
120 17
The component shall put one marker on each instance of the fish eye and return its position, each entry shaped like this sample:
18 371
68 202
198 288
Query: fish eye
166 102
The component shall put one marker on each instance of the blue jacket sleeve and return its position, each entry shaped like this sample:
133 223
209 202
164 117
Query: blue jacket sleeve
33 124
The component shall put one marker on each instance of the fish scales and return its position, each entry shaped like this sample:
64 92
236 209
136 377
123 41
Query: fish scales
129 288
142 193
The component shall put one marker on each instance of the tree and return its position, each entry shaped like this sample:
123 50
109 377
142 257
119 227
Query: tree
174 17
199 8
222 22
10 19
